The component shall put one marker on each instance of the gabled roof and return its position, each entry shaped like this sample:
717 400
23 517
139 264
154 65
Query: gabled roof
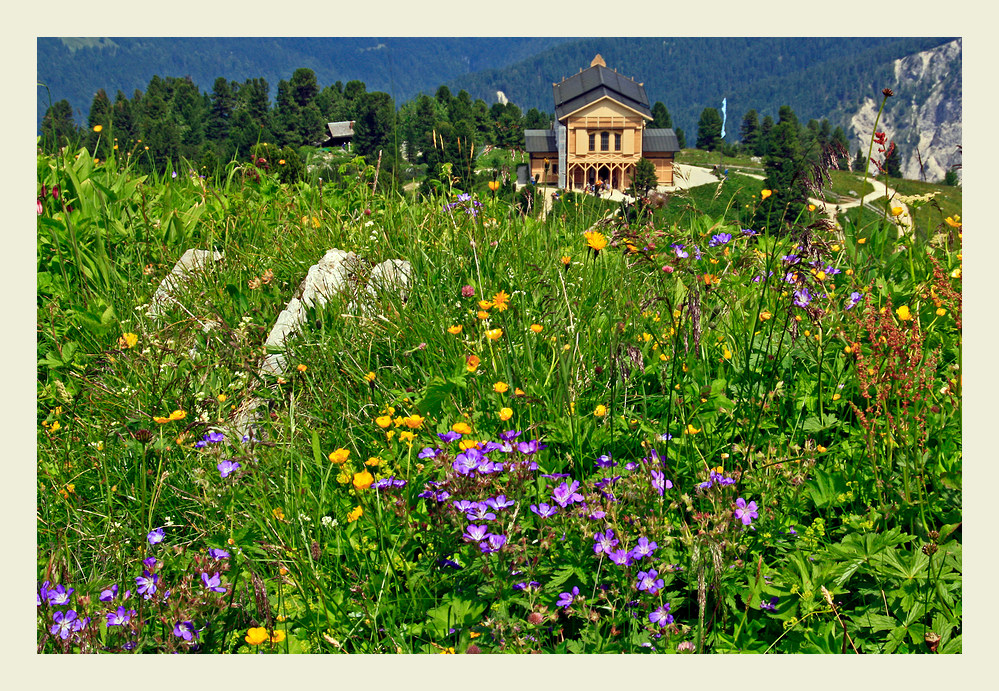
594 83
540 141
341 129
659 140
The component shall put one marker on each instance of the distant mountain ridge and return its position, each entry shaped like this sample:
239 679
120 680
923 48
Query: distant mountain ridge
75 68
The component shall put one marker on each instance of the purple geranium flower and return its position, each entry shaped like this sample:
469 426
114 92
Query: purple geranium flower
566 494
428 452
480 512
621 557
745 512
449 436
474 533
605 461
566 599
464 505
661 616
533 585
155 537
769 606
185 630
648 581
213 582
64 624
218 554
509 435
544 510
802 297
120 616
59 595
500 502
719 239
492 543
643 549
660 482
108 594
146 584
604 542
855 297
227 468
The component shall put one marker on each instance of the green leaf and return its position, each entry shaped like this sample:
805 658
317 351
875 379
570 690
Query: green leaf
560 577
433 399
817 424
455 614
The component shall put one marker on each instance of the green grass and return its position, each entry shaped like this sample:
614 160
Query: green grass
832 428
699 157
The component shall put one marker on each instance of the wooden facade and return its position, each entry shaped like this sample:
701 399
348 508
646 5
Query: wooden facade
603 117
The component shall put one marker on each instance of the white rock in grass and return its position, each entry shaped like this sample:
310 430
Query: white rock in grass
191 261
323 281
390 275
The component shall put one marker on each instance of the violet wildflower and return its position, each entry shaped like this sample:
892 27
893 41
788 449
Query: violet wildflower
156 536
63 623
108 594
474 533
185 630
119 617
149 562
769 606
855 297
660 483
464 505
643 549
565 600
449 436
605 461
480 512
556 476
660 615
802 297
621 557
492 543
218 553
532 585
213 582
227 468
649 582
146 584
745 512
604 542
509 435
665 436
544 510
59 595
678 248
566 494
500 502
597 515
530 447
719 239
43 593
428 452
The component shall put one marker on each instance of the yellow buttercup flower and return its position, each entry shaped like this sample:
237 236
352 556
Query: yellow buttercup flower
414 421
537 328
903 313
278 636
256 636
407 437
278 513
454 330
356 513
500 387
98 128
461 428
765 193
373 461
339 456
600 411
301 367
369 377
485 304
472 363
953 222
692 430
362 480
482 314
494 334
897 210
566 261
505 414
128 340
764 315
221 398
383 421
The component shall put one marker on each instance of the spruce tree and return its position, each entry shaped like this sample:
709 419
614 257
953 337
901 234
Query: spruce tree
660 116
58 128
784 178
749 131
763 140
645 176
709 129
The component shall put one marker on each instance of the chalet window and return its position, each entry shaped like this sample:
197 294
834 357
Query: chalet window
605 141
617 141
593 142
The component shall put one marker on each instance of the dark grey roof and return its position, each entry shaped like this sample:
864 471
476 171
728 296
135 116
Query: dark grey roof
594 83
540 141
659 140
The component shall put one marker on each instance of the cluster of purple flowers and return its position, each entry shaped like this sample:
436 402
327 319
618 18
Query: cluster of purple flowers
466 203
210 438
387 482
605 543
719 239
716 478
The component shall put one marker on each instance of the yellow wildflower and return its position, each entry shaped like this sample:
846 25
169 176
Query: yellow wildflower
485 304
600 411
383 421
221 398
595 240
505 414
501 301
373 461
98 128
692 430
566 261
494 334
472 363
128 340
500 387
765 193
461 428
537 328
362 480
256 636
897 210
414 421
278 636
954 222
278 513
764 315
339 456
482 314
301 367
407 437
355 513
941 312
369 377
454 330
903 313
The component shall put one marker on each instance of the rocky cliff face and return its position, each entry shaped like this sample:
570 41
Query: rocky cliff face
923 117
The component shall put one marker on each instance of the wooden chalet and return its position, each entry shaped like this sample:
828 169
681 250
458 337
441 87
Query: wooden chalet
599 133
341 134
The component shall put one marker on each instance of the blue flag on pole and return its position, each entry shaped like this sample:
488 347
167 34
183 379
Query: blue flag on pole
723 118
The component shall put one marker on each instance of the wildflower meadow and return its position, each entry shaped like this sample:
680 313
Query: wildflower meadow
578 426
